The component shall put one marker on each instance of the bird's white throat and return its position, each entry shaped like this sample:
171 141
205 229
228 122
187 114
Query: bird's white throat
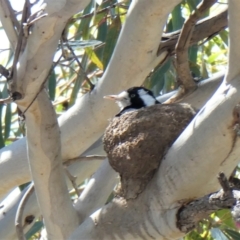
123 100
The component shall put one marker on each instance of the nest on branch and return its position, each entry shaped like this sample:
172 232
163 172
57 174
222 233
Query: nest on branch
136 142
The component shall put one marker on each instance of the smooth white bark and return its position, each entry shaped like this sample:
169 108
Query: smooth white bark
84 169
36 60
44 153
91 110
6 21
10 204
206 147
234 40
8 212
188 171
97 191
43 135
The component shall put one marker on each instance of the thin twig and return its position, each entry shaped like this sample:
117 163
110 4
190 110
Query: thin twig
85 158
6 100
184 76
27 25
20 46
192 212
40 89
19 214
204 28
72 180
223 181
106 9
36 16
79 64
4 71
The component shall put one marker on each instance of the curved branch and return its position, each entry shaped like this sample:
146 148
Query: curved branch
234 40
97 191
44 153
9 22
184 76
191 213
205 28
19 214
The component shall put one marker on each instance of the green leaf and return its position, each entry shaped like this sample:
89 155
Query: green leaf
34 229
8 113
2 144
79 80
52 82
213 58
224 36
5 93
169 82
226 218
8 117
177 18
24 185
193 54
93 57
193 235
204 71
83 29
1 129
101 36
157 79
81 44
112 36
233 234
169 27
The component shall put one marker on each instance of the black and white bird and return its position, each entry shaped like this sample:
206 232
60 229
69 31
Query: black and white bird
133 98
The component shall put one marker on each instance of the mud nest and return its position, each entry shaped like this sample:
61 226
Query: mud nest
136 142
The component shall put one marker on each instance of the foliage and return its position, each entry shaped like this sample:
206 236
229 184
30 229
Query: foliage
92 35
219 226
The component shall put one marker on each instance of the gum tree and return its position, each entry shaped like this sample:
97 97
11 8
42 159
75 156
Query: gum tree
68 55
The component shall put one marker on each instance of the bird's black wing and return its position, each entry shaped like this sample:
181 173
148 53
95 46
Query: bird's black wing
125 110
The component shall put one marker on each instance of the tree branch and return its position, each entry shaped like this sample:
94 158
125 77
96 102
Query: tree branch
234 40
43 139
97 191
191 213
9 22
21 43
19 214
72 179
15 154
8 209
205 28
84 158
79 64
184 76
69 121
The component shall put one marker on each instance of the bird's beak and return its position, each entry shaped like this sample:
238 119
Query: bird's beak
112 97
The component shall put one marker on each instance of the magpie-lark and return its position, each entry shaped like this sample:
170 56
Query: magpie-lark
133 98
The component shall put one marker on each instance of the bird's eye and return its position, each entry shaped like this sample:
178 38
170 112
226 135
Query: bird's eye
132 95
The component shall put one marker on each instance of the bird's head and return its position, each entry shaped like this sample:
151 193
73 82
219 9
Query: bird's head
135 97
